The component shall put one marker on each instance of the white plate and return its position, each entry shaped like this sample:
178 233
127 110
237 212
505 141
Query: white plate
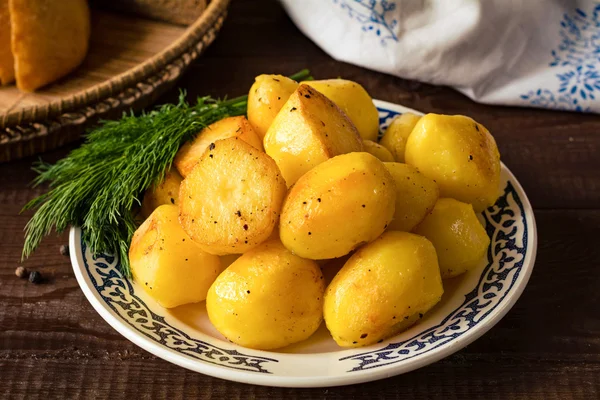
472 304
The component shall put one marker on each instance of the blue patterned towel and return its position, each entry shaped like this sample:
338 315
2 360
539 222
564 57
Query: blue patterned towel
538 53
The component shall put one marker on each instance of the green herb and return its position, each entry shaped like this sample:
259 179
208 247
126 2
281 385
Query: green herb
98 185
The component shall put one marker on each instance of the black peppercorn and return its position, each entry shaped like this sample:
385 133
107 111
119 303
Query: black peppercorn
22 272
35 277
64 250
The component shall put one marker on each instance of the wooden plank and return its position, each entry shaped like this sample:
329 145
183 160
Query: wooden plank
458 377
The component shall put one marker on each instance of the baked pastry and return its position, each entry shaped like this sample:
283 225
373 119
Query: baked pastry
7 70
49 39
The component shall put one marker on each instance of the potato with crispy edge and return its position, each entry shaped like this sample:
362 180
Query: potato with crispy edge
460 155
397 134
337 206
231 200
308 130
416 195
265 98
378 151
385 287
458 237
268 298
167 264
167 192
354 101
190 153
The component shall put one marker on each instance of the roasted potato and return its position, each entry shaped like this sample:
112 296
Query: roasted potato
268 298
190 153
460 155
164 261
383 288
458 237
378 151
337 206
415 196
165 193
397 134
354 100
231 200
266 97
308 130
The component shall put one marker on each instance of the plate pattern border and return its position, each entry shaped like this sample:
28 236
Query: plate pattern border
119 295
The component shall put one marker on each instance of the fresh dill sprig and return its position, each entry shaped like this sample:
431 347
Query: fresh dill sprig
98 185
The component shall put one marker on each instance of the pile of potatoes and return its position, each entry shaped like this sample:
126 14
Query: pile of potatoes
258 211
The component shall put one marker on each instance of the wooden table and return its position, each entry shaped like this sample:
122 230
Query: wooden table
54 345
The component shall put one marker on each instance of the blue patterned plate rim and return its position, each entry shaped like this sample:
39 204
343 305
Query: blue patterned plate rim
510 224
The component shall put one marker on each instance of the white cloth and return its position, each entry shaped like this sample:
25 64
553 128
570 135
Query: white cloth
540 53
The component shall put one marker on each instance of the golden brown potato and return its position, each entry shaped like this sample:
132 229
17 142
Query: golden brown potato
308 130
354 101
378 151
337 206
165 193
397 134
230 202
170 267
266 97
190 153
458 237
268 298
415 196
385 287
460 155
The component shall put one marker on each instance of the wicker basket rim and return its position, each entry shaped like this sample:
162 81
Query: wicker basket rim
125 79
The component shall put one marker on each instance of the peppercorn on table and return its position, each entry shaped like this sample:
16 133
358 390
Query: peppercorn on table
54 345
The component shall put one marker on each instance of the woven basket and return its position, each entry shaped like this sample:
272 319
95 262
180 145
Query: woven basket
30 129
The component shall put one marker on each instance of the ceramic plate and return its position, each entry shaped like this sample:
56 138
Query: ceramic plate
471 305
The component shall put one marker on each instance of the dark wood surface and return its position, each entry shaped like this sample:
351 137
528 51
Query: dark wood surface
54 345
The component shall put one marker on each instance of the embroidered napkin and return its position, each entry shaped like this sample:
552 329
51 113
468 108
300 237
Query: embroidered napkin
538 53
